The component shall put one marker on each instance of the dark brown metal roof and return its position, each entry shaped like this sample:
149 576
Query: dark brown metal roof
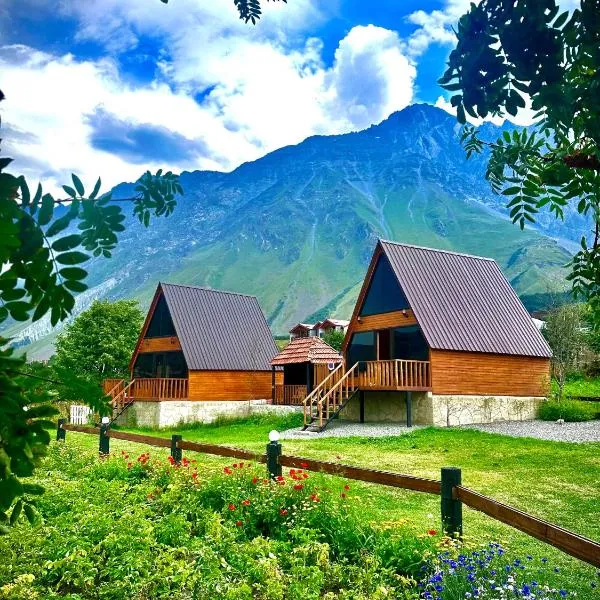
464 302
307 349
219 330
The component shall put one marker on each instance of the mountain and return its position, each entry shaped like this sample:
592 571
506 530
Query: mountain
298 226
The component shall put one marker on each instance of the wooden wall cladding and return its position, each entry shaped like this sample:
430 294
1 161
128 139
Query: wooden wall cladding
160 344
475 373
231 385
398 318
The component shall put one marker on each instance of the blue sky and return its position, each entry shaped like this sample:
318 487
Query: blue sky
114 87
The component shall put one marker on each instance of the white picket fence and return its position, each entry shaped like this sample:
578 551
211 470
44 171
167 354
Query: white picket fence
80 415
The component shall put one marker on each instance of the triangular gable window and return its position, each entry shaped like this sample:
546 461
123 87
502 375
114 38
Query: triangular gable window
161 323
384 293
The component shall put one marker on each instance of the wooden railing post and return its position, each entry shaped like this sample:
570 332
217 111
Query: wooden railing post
176 452
273 453
104 442
451 508
60 432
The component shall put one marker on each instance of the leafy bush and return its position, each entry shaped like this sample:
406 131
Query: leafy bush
569 410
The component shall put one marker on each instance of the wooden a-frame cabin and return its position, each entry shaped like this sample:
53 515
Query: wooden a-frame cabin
197 346
436 337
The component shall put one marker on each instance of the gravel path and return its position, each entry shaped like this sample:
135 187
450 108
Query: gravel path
350 429
545 430
588 431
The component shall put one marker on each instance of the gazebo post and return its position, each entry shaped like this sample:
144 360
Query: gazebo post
308 381
272 384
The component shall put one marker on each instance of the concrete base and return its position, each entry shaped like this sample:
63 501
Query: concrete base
441 410
175 412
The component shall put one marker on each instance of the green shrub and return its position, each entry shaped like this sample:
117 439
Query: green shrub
569 410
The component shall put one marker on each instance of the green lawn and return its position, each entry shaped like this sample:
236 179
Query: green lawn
556 481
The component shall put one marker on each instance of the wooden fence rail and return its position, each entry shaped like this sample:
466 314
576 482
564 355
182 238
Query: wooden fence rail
571 543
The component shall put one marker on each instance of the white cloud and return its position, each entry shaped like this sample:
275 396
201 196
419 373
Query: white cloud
260 94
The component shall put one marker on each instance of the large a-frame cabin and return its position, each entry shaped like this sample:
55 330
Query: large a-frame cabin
197 346
436 337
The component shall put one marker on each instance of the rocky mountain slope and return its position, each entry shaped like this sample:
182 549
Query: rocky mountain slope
297 227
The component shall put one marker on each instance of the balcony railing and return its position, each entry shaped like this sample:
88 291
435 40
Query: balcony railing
290 394
160 388
395 375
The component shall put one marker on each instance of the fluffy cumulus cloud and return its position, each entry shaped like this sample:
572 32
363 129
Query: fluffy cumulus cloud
221 92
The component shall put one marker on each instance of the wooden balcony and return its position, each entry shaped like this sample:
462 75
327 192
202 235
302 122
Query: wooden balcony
396 375
160 388
290 394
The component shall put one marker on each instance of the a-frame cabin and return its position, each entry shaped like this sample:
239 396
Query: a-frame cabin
196 345
436 337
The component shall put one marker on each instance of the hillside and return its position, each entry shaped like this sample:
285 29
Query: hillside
297 227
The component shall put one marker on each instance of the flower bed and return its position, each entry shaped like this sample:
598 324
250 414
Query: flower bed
144 527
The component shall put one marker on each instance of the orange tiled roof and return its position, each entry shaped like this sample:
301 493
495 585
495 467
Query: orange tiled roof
308 349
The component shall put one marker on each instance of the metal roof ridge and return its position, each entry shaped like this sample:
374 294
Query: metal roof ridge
206 289
440 250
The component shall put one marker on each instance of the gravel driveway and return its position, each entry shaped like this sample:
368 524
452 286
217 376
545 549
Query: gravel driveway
545 430
588 431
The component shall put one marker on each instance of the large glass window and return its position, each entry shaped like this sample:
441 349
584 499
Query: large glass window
161 323
362 347
384 293
160 364
408 343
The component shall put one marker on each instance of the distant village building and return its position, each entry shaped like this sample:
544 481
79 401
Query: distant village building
318 329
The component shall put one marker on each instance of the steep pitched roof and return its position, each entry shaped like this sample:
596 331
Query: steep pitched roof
221 331
463 302
308 349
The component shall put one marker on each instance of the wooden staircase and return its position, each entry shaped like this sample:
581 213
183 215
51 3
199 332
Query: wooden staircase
121 398
326 401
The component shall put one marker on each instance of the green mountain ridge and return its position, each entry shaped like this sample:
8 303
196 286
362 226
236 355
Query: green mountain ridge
298 226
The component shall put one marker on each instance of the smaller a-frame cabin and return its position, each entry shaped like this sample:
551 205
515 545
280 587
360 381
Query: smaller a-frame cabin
436 337
197 346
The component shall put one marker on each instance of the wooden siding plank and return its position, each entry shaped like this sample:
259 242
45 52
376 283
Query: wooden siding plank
476 373
231 385
398 318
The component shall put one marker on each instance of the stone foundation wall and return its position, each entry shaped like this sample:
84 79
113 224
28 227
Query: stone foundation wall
462 410
174 412
441 410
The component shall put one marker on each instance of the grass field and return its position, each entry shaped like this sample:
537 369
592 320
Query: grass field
556 481
559 482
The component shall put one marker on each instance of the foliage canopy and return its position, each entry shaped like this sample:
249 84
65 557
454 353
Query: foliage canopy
100 341
510 53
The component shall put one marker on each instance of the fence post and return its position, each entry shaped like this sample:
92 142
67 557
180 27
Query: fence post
273 454
176 452
60 432
104 447
451 508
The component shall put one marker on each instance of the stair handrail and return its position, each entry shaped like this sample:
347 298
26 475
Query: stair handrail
308 401
331 390
112 389
125 389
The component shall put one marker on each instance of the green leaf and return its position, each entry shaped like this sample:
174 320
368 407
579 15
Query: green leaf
95 190
73 273
16 512
10 489
72 258
31 513
78 185
75 286
33 488
70 191
67 243
25 195
45 214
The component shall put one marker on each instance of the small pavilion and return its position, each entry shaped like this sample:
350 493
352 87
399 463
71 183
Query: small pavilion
305 362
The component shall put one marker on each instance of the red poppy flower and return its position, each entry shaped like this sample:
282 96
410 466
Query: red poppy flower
235 465
279 478
304 465
241 465
298 486
227 471
239 523
232 507
246 502
432 532
343 495
194 474
346 487
283 512
255 480
129 465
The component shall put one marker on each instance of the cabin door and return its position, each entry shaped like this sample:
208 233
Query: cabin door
384 345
